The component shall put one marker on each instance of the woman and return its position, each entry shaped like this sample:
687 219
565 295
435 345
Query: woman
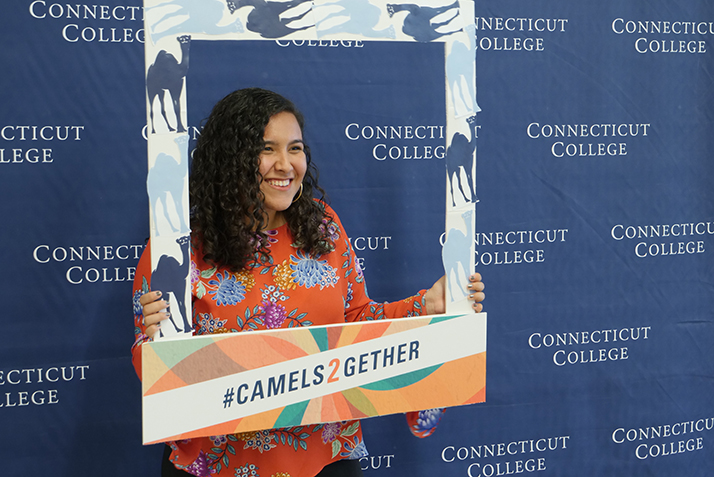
266 254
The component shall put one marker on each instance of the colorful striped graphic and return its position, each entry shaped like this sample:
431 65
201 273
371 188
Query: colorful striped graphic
288 377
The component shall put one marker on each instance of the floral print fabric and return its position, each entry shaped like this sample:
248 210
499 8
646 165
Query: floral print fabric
290 289
423 423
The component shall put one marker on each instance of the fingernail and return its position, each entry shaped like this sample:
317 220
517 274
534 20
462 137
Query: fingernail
468 286
158 325
158 294
471 296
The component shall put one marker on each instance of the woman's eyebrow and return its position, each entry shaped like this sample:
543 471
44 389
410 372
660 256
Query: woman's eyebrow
268 141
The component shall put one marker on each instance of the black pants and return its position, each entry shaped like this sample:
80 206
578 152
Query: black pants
341 468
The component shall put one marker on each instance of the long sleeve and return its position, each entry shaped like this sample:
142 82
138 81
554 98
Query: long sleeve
358 305
142 281
423 423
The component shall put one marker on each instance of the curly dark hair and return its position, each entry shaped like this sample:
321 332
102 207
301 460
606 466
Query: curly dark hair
226 201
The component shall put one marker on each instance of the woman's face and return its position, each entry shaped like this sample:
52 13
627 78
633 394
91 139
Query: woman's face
282 165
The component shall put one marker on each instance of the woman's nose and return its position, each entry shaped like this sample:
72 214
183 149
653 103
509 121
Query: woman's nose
283 161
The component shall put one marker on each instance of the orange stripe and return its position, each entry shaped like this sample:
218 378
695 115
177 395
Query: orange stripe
375 330
166 382
329 410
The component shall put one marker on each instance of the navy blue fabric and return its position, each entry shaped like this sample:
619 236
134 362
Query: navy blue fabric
595 226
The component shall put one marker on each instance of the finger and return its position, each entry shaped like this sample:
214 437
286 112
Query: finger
155 318
477 297
155 307
478 307
475 277
149 297
476 286
152 330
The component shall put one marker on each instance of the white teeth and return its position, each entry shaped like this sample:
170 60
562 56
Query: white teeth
277 183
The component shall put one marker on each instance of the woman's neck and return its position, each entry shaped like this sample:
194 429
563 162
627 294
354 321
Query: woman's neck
275 220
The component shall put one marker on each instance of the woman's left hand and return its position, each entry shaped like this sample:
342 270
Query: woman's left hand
435 297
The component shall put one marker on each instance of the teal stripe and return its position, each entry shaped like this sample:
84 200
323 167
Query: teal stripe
173 352
292 415
402 381
320 337
439 319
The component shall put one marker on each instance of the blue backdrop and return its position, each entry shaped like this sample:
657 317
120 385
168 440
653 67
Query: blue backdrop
594 227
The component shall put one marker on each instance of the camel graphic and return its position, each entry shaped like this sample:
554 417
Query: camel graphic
194 16
167 178
460 155
417 23
167 74
265 18
457 248
460 74
360 17
170 277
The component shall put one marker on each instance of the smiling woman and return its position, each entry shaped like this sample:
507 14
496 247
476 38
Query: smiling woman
282 166
250 145
267 253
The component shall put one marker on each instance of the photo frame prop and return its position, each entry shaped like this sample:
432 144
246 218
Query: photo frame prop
299 376
171 26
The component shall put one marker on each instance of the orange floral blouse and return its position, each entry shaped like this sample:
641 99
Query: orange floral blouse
292 289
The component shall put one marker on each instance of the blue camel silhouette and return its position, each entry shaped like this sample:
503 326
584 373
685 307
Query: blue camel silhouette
460 72
460 155
170 276
417 23
360 16
197 16
167 74
167 177
265 19
456 247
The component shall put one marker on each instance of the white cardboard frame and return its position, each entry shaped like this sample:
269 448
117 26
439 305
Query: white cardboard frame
170 25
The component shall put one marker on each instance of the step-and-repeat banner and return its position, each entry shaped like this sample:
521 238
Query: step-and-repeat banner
594 223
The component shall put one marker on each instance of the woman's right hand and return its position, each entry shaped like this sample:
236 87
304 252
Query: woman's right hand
154 310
